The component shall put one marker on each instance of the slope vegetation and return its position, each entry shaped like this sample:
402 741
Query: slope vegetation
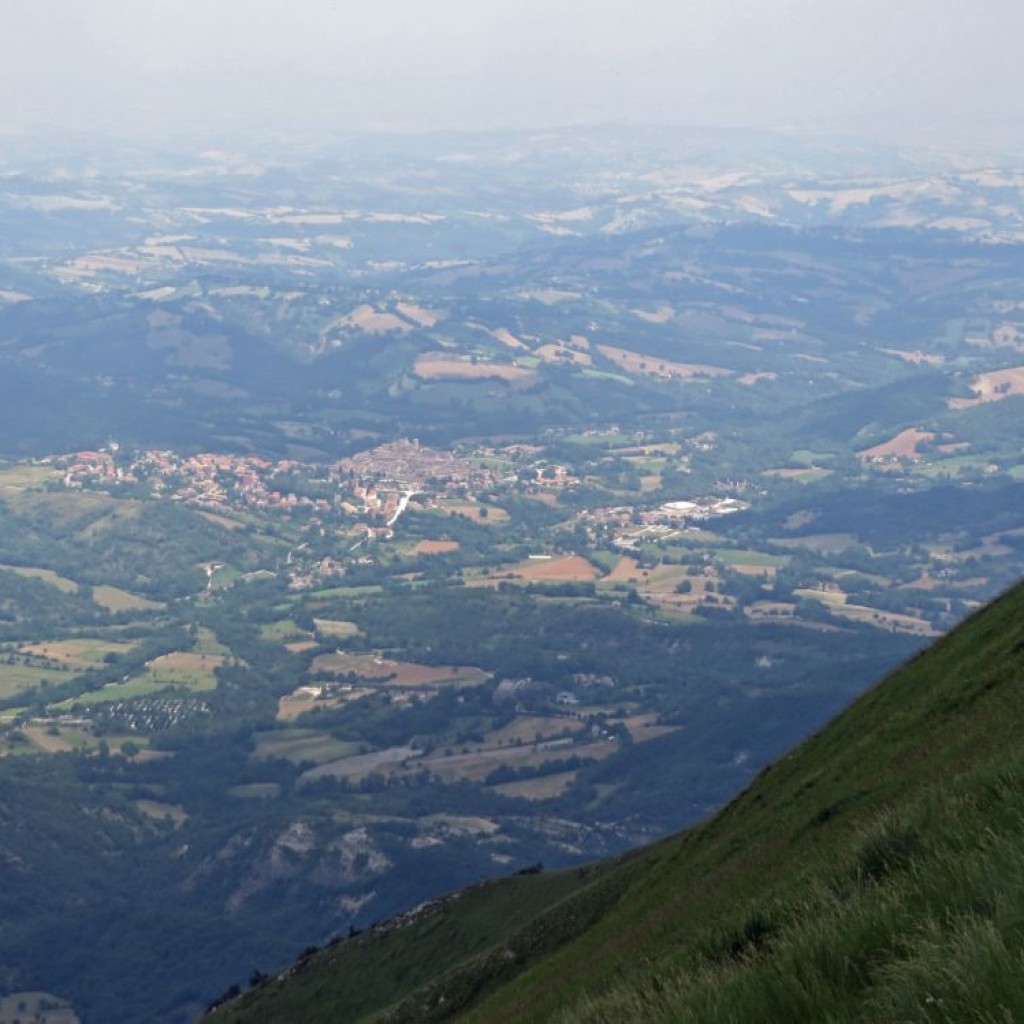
875 873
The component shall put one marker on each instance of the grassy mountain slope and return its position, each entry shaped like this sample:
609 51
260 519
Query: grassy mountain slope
876 873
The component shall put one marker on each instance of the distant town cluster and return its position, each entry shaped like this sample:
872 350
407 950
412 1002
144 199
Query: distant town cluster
373 485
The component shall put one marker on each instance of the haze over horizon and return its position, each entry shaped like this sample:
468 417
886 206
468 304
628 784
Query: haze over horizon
929 71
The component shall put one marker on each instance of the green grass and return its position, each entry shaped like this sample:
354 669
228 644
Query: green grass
874 874
141 686
207 643
46 575
364 974
22 476
116 600
300 745
281 631
20 677
806 457
953 466
737 556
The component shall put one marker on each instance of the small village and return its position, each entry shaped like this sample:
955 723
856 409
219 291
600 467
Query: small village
368 486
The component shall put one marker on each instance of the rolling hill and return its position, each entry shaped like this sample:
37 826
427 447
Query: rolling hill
875 873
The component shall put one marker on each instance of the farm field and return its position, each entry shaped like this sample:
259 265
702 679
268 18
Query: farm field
336 629
308 698
396 673
436 547
567 569
78 653
476 765
360 766
159 811
299 745
116 600
184 668
46 575
21 476
543 787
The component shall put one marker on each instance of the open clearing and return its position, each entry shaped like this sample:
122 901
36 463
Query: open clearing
185 668
46 575
530 729
545 787
360 766
476 765
475 510
397 673
80 653
22 476
563 354
992 387
821 543
805 475
25 674
417 314
282 630
372 321
308 698
256 791
207 642
436 547
299 745
506 337
116 600
645 727
751 563
436 366
658 580
836 602
638 363
160 811
338 629
567 569
902 446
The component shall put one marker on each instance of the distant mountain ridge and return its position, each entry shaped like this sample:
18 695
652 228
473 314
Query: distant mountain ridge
875 873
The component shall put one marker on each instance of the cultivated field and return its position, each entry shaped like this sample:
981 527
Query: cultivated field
567 569
306 698
436 366
992 387
46 575
185 668
78 653
338 629
359 766
372 321
902 446
476 765
116 600
544 787
397 673
22 476
436 547
638 363
159 811
530 729
475 510
299 745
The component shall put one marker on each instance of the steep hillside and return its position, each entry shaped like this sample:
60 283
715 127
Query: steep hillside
876 873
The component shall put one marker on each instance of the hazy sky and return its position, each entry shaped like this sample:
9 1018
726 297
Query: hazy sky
930 68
